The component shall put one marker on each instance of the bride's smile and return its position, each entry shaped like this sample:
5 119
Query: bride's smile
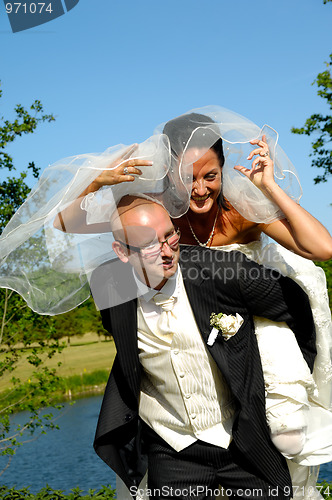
206 182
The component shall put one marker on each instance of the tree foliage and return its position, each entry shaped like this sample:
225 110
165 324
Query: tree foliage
47 493
23 333
19 325
321 126
327 268
83 319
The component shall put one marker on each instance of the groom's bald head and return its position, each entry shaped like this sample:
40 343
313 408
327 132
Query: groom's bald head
135 211
140 224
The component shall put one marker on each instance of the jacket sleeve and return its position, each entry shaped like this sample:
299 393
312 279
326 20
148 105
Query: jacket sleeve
269 294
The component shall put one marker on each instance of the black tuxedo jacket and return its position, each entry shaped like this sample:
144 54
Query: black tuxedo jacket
215 281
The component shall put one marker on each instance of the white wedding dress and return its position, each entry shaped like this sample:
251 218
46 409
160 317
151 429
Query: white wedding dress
284 366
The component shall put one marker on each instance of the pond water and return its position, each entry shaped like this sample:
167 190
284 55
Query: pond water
65 458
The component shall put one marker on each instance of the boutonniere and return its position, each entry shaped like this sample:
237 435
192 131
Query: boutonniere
227 324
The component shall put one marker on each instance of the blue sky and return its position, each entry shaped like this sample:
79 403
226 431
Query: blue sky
111 70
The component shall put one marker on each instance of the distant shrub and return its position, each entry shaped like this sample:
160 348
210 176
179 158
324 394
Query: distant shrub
74 382
325 489
47 493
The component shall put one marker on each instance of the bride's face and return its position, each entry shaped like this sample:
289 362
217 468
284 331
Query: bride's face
206 183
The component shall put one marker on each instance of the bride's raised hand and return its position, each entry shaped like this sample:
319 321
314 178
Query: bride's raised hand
261 172
123 169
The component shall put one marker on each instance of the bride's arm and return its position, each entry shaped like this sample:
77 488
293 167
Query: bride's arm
299 231
73 218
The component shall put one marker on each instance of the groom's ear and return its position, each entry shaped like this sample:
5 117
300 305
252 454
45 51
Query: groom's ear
120 251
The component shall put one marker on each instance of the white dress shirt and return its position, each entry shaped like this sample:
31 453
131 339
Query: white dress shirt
184 396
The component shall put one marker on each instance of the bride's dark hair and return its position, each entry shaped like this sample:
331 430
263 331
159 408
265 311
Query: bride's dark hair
179 131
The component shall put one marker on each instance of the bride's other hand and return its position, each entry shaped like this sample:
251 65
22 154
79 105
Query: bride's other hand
123 169
298 231
261 173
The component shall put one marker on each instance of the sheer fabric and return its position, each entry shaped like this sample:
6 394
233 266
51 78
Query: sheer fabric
50 268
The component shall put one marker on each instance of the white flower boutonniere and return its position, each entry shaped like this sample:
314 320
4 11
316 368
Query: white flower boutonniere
227 324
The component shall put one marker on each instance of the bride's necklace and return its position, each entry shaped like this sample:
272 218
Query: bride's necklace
211 234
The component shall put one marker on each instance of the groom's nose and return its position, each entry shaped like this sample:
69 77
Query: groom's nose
166 250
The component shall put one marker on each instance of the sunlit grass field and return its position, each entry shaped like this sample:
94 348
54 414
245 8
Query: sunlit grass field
85 354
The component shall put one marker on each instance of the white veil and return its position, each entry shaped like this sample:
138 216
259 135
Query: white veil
50 268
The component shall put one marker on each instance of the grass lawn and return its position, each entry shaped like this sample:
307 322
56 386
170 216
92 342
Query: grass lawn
85 354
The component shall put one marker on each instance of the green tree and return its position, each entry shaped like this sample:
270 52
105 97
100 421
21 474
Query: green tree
19 325
83 319
321 126
327 268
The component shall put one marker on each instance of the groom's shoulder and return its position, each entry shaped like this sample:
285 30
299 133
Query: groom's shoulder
112 283
111 271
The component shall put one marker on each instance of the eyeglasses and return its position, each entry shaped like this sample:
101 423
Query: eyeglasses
154 249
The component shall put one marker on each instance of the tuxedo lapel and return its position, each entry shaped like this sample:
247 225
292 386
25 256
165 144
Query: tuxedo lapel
203 300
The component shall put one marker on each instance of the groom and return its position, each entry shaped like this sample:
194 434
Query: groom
189 407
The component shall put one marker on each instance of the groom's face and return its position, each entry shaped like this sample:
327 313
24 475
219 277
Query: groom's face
149 242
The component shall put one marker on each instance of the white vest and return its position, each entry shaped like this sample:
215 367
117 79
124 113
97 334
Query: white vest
184 396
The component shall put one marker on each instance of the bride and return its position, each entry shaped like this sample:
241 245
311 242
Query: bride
210 219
